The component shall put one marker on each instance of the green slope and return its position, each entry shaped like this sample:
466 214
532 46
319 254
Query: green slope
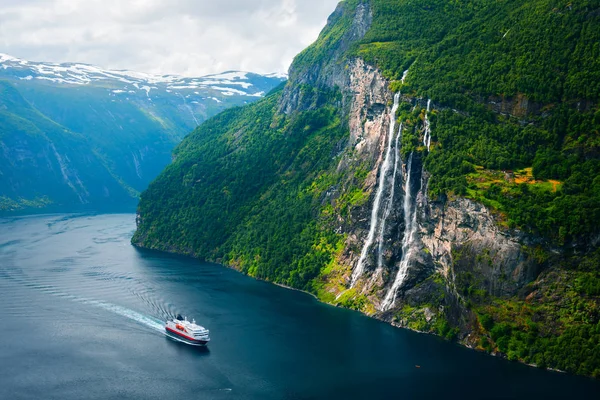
235 179
135 138
516 126
44 164
542 59
129 124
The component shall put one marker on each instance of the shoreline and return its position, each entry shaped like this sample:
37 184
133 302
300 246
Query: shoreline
394 325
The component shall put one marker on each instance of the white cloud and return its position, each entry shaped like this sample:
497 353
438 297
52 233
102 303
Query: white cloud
187 37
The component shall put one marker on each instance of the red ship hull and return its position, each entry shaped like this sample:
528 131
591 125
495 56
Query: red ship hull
186 338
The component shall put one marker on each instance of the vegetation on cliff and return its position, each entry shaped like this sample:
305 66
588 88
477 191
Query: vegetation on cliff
77 138
245 188
554 323
515 126
538 63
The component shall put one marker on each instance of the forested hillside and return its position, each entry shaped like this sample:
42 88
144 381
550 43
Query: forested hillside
118 129
482 182
36 157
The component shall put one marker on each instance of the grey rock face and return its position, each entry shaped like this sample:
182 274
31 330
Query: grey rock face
455 239
463 237
456 242
329 73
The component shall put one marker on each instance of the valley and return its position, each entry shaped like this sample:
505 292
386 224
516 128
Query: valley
79 137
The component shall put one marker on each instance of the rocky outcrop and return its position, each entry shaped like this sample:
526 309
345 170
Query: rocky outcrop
458 242
463 237
368 117
329 71
518 106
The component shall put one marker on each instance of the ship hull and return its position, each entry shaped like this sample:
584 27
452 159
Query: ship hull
185 338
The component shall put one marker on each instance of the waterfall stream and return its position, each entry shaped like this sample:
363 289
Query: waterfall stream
390 203
427 134
410 231
385 166
404 76
378 222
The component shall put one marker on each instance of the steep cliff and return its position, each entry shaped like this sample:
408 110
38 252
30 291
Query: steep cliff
404 171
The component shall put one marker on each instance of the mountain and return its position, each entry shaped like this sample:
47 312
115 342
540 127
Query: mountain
75 136
432 164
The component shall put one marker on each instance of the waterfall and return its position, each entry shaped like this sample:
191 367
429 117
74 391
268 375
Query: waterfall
385 166
404 76
410 232
427 135
388 207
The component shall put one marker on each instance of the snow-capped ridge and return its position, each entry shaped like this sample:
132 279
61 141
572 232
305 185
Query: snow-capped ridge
280 75
228 83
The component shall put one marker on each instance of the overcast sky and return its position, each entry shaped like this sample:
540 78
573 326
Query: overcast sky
186 37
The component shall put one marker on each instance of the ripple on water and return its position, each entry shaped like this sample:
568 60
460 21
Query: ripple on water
95 315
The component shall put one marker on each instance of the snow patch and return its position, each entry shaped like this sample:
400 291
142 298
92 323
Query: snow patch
147 89
230 83
227 90
244 85
229 75
280 75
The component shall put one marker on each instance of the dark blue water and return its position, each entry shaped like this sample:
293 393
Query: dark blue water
81 313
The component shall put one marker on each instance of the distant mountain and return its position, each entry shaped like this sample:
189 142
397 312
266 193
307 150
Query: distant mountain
76 136
130 83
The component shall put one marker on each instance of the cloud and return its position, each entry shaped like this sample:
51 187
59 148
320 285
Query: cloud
186 37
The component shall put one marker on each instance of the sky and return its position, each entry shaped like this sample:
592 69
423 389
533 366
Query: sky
183 37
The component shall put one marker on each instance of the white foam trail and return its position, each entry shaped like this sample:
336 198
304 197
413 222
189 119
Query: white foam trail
410 230
145 320
377 203
150 322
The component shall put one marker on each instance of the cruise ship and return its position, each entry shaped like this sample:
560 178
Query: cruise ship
187 331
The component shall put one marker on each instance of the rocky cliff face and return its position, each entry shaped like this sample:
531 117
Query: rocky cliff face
326 71
455 244
363 191
404 250
462 235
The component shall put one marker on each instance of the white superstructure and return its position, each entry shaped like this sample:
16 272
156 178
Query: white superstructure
187 331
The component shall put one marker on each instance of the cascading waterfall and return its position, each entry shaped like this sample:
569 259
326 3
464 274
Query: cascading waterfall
427 135
404 76
410 232
388 207
378 223
379 194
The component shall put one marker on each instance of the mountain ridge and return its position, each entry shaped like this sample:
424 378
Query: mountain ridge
84 74
391 183
123 124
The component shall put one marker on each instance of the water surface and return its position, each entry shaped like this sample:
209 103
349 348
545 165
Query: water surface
82 313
